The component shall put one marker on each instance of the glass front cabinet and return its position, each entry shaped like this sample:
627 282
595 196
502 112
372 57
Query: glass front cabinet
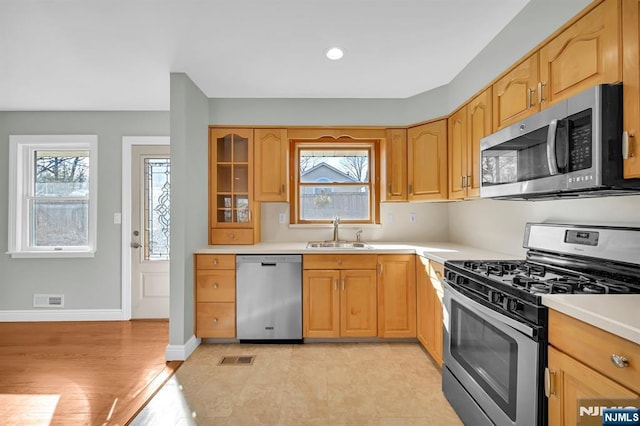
233 214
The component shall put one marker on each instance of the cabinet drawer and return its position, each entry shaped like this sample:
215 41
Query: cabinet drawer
216 286
216 261
216 320
232 236
339 261
593 347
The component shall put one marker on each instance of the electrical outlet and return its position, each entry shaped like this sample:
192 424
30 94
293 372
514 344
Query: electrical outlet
282 218
117 218
412 218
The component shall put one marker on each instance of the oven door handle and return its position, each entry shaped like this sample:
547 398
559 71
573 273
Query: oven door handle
484 311
551 147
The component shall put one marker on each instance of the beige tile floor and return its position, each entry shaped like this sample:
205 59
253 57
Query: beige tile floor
310 384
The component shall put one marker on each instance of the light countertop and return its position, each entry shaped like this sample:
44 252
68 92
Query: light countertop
438 252
616 313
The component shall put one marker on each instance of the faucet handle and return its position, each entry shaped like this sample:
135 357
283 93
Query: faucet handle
358 235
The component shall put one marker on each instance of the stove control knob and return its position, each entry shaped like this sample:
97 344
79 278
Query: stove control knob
514 306
460 280
496 298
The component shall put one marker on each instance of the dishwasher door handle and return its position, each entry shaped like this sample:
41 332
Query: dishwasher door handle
268 264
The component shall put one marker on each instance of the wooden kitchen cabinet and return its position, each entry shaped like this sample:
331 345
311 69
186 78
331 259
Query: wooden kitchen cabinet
631 86
429 313
215 295
396 295
514 93
394 165
585 54
234 217
458 153
271 158
427 161
580 366
342 301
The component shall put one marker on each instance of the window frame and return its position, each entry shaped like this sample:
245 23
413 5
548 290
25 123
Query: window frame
334 144
21 176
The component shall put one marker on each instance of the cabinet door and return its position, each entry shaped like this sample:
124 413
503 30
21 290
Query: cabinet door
396 295
358 310
215 320
427 174
585 54
570 382
479 125
320 303
514 94
434 303
271 149
422 310
457 134
631 79
394 159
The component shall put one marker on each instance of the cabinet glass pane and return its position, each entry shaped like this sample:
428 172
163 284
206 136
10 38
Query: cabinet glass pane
224 201
242 206
225 216
224 178
240 149
241 178
224 148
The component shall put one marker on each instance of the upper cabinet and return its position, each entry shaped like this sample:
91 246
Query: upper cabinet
394 166
514 93
271 177
467 126
583 55
631 88
427 161
233 216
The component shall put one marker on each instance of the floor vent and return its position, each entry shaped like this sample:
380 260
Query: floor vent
48 300
237 360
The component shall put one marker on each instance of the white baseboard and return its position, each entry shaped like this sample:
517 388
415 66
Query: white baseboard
182 352
62 315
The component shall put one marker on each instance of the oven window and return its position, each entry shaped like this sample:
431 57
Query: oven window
487 354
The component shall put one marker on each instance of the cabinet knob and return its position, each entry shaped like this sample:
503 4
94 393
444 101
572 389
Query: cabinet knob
619 361
339 261
215 285
215 320
214 261
232 236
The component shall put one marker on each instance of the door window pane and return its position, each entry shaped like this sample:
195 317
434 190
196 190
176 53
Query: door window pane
157 212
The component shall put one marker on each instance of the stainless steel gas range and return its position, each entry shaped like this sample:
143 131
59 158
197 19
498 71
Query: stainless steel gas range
495 325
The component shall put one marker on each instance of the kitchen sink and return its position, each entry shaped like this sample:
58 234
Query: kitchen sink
339 244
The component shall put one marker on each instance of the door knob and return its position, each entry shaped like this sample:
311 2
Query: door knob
136 245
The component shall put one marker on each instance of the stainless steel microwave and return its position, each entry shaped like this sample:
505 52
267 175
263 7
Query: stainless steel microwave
573 148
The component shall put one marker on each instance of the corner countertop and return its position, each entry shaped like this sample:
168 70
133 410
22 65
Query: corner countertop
436 251
615 313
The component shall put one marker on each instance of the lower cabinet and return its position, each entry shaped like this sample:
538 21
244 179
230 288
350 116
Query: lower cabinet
396 295
429 300
339 302
215 295
581 373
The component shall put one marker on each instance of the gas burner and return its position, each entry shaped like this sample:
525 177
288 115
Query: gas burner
539 288
593 288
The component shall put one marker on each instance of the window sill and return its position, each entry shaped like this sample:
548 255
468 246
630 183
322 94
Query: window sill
330 226
51 254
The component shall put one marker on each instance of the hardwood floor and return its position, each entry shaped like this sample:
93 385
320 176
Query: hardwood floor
70 373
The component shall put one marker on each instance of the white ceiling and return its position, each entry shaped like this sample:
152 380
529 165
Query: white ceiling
117 54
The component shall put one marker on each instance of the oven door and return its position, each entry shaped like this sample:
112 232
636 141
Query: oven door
494 359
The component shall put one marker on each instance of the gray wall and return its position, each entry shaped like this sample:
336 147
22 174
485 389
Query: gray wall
189 199
87 283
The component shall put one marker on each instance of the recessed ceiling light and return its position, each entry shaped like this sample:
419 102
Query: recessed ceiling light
334 53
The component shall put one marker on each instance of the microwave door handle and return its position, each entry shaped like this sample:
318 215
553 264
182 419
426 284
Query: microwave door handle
551 148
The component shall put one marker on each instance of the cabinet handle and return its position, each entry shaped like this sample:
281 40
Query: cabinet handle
619 361
438 275
530 97
249 214
342 284
626 152
468 180
541 86
390 192
410 188
461 181
381 268
282 189
335 285
547 382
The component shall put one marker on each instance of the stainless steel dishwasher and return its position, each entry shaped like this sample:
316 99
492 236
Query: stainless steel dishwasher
269 297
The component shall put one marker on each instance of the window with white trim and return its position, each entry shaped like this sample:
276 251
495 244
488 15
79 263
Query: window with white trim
53 195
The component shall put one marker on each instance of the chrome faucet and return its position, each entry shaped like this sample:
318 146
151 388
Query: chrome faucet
336 222
358 235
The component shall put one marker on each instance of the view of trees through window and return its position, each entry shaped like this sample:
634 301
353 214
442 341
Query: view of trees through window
59 204
334 182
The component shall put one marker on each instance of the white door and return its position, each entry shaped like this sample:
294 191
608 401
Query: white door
150 188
